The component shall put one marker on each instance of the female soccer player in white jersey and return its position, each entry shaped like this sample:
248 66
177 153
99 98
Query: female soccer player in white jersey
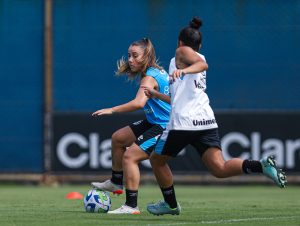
134 143
192 121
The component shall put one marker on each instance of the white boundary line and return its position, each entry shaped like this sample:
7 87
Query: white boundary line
229 221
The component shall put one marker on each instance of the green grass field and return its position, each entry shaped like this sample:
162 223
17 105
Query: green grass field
201 205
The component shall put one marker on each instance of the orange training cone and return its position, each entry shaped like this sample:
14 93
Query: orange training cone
74 195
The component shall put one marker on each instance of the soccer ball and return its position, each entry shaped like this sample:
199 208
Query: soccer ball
97 201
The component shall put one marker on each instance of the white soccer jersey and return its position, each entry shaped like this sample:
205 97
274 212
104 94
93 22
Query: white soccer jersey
190 104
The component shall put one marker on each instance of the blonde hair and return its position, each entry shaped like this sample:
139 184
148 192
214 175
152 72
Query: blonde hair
148 60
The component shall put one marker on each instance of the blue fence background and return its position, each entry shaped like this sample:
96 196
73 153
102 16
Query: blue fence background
252 48
21 86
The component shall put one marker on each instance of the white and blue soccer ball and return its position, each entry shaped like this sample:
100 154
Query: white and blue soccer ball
97 201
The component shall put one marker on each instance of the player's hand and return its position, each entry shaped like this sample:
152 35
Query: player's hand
149 92
105 111
177 74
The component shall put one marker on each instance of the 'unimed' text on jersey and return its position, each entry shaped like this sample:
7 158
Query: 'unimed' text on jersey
190 109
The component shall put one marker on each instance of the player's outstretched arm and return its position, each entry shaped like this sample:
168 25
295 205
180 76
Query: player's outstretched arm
137 103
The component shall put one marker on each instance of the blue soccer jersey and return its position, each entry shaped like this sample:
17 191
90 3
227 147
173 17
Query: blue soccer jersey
158 111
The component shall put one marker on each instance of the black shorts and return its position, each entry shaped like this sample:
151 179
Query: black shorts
147 134
173 141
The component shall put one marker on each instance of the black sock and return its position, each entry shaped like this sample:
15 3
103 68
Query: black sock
117 177
131 198
169 196
252 166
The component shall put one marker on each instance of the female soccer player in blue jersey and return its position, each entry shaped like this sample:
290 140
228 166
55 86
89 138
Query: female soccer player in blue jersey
192 121
134 143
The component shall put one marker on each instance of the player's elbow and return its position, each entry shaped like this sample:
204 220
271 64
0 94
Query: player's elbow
139 104
203 65
206 67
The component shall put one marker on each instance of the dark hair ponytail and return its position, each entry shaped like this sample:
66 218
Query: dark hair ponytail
196 23
190 35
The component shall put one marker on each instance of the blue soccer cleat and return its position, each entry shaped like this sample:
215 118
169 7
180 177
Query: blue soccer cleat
162 208
271 171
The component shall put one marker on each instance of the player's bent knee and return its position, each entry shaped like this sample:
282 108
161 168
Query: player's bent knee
218 175
118 138
127 158
218 171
